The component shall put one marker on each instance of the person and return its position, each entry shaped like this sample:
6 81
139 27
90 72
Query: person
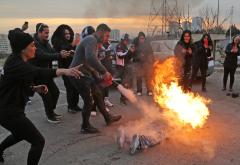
123 61
230 62
16 84
86 53
63 39
202 52
106 60
44 57
143 63
184 52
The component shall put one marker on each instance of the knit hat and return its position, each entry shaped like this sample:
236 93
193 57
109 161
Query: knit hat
87 31
125 37
19 40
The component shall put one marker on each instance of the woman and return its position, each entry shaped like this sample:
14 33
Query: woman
184 52
203 49
230 62
143 60
16 85
63 39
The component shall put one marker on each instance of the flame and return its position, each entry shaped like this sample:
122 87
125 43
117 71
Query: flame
187 108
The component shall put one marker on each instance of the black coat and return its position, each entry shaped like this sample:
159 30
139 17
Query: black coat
200 55
144 53
231 58
184 58
44 54
15 82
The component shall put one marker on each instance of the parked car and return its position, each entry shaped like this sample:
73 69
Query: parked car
163 49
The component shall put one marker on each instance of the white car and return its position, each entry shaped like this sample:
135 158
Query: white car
163 49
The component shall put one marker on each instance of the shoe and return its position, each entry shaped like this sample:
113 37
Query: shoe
224 88
230 90
74 109
139 93
134 144
93 113
149 93
53 120
57 116
111 119
89 130
204 90
107 109
107 102
1 157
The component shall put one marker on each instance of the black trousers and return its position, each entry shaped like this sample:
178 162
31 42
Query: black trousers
22 128
51 98
72 94
185 80
228 71
203 70
143 71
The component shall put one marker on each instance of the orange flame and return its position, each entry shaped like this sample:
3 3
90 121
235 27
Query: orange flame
186 107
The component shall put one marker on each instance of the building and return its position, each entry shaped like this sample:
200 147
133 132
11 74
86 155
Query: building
186 25
115 34
197 24
5 48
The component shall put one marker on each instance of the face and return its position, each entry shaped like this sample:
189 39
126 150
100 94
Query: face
44 34
187 38
237 40
106 36
141 39
125 42
29 51
67 35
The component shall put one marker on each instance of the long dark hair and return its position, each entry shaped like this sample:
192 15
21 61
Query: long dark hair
58 36
209 39
182 38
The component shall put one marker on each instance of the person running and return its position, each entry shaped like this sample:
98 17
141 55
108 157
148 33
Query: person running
184 53
16 85
63 39
202 52
230 62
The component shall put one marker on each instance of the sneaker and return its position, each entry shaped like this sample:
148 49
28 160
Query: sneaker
113 119
1 157
230 90
107 102
204 90
150 93
224 88
107 109
74 109
139 93
93 113
89 130
134 144
53 120
57 116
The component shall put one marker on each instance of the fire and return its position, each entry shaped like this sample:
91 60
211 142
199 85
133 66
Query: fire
188 109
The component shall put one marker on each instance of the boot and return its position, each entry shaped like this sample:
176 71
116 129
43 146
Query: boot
111 119
1 157
89 130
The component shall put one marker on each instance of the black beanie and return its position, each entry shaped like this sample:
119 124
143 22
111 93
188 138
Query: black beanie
19 40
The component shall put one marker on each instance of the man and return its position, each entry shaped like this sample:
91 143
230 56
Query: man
44 57
86 53
123 61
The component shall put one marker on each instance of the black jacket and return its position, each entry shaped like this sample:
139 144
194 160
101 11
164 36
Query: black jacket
201 54
144 53
15 82
231 58
44 54
185 59
63 45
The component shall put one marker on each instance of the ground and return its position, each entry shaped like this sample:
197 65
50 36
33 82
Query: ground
218 144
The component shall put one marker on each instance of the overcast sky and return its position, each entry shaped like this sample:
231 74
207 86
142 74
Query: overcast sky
14 11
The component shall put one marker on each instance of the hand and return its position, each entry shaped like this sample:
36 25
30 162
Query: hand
107 76
189 51
64 54
205 46
40 89
71 52
184 51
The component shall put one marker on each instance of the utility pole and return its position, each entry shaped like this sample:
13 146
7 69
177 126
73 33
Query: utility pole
218 14
231 23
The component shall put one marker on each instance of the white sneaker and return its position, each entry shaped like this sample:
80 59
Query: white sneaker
150 93
93 113
107 109
107 102
139 94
